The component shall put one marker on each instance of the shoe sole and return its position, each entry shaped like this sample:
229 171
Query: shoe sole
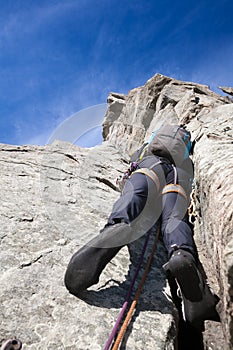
198 303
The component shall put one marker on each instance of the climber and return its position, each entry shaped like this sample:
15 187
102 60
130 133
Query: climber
156 187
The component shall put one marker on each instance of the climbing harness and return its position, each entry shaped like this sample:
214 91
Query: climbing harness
137 295
151 174
174 188
135 168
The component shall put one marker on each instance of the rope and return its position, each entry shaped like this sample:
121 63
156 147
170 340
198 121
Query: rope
137 295
124 307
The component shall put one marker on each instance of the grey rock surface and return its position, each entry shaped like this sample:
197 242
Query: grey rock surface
53 200
227 90
132 119
209 116
56 198
213 160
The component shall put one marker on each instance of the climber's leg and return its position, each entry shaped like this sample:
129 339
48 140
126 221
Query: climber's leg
198 301
132 214
131 202
175 228
86 266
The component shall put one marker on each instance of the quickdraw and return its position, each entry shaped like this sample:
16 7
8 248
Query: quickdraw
120 181
192 208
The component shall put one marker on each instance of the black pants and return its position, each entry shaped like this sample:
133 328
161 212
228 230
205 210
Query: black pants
139 207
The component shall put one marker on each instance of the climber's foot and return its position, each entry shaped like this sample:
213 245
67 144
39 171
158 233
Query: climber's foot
198 301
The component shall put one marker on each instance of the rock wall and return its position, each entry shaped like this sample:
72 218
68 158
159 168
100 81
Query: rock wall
129 122
131 119
214 175
53 200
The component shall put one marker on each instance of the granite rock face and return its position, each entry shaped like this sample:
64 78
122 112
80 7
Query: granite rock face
213 160
209 117
131 119
53 200
56 198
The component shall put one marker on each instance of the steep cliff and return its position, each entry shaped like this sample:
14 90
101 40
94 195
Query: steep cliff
55 198
129 122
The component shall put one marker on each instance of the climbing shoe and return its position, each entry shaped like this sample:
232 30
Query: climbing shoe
198 301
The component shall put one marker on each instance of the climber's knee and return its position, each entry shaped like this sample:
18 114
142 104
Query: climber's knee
77 277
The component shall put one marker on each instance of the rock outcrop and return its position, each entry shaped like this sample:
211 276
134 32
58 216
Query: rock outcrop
209 117
55 198
227 90
131 119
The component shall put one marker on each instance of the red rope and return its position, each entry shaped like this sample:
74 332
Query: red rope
129 294
137 295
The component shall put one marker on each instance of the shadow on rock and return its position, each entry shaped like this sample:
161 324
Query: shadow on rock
153 296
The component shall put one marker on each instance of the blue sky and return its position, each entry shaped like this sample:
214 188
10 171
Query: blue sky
60 57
